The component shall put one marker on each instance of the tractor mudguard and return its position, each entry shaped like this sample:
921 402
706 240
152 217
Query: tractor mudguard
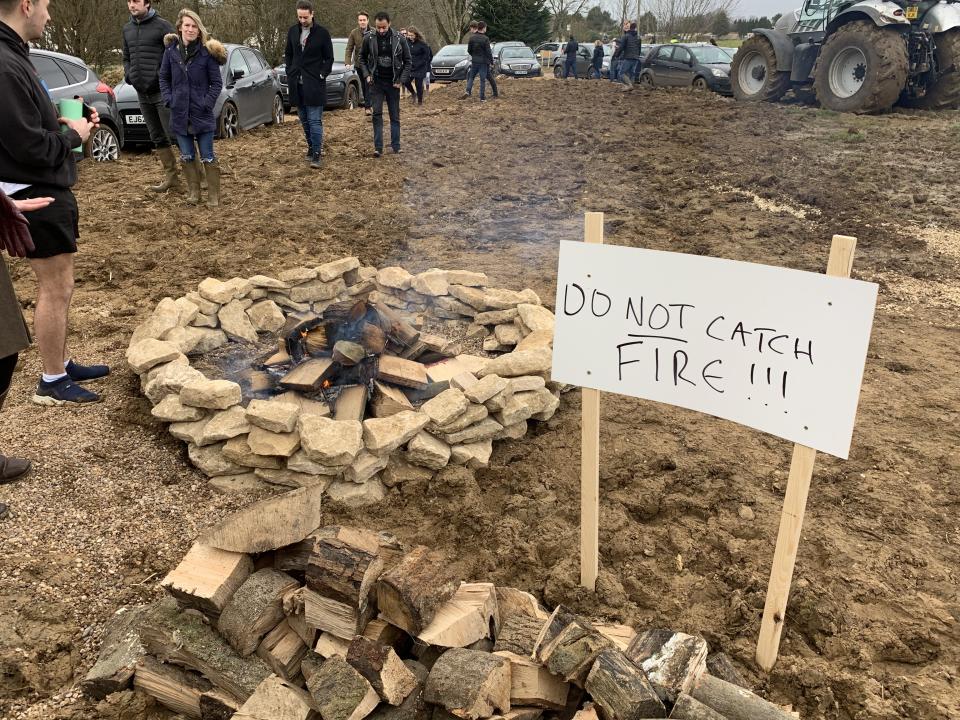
940 18
804 58
782 47
881 12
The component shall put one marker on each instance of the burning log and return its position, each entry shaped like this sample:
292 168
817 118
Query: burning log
395 326
373 338
308 376
351 403
348 353
295 331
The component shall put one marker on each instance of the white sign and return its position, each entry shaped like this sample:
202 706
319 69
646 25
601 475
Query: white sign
778 350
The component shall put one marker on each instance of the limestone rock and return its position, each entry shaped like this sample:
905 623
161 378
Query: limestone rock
235 322
365 466
507 334
525 383
467 278
499 401
150 353
217 291
433 282
474 414
550 407
496 317
273 415
357 495
483 430
203 320
317 290
206 306
384 435
265 281
291 478
501 299
190 432
331 442
285 302
266 316
211 462
170 409
265 442
238 450
241 482
428 451
464 381
224 425
187 310
473 455
300 463
455 308
474 297
527 362
394 277
164 318
486 388
521 406
492 345
332 270
295 276
512 432
399 471
447 406
213 394
536 317
536 340
169 379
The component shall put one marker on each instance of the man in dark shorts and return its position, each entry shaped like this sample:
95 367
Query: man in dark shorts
37 160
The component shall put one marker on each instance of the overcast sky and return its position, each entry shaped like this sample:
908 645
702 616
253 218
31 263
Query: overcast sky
749 8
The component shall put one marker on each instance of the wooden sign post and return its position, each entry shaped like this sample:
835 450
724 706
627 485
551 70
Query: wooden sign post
590 455
839 264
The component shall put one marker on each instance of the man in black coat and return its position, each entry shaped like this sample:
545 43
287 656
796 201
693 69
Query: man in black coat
309 58
570 64
481 60
142 52
385 66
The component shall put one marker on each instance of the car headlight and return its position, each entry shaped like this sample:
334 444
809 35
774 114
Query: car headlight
336 76
463 63
718 72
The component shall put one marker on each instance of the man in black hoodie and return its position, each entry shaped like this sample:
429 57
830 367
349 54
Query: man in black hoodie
37 160
142 52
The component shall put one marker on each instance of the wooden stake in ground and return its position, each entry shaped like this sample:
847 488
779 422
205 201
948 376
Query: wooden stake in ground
590 455
794 506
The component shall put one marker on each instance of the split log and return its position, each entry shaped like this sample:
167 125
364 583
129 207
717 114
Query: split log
316 341
671 660
298 623
119 655
281 357
619 635
373 338
276 699
383 633
518 634
207 578
345 567
414 351
255 609
410 594
414 707
334 617
311 664
184 639
293 558
351 403
568 645
720 666
686 708
309 375
588 712
734 702
329 646
399 371
511 601
283 650
269 524
395 326
388 400
470 615
382 668
217 705
520 713
532 684
470 684
340 692
171 686
621 689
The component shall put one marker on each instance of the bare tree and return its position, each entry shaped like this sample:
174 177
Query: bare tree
451 17
561 11
677 17
89 29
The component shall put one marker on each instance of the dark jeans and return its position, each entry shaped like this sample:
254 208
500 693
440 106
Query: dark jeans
615 70
188 150
491 77
481 70
570 68
596 70
311 118
157 117
415 88
365 89
381 90
628 71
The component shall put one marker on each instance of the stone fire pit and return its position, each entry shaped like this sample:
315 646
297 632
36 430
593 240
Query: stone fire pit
350 377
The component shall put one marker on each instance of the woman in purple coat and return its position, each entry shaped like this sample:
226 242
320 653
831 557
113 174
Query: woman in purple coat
190 83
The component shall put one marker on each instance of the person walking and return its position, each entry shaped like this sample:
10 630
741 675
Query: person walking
309 58
385 66
37 161
596 69
630 44
352 54
570 63
420 57
142 52
481 58
615 61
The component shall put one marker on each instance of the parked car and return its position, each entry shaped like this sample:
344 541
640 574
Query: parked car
546 52
697 65
67 77
584 61
516 61
610 48
450 64
498 46
250 97
343 83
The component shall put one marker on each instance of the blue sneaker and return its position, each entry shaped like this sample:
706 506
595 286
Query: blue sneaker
83 373
63 392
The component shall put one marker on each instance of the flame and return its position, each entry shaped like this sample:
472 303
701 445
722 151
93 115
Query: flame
325 384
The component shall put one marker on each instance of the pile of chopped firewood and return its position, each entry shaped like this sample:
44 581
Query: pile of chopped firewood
345 624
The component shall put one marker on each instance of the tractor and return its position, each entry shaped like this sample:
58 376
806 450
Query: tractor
860 56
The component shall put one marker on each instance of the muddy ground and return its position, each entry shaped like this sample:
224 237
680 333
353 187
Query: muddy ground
689 504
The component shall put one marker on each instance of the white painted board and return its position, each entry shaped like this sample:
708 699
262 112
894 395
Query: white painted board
775 349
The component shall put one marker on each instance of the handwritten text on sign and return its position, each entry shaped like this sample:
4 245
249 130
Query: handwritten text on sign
778 350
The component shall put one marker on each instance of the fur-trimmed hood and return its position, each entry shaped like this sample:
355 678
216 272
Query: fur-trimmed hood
216 49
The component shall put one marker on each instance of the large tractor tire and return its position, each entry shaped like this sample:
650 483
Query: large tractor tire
861 69
753 73
945 92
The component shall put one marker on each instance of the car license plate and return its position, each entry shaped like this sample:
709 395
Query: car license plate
912 12
134 120
520 72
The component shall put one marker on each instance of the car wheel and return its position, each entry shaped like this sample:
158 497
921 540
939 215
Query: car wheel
647 79
353 97
700 84
229 121
557 73
276 117
103 145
